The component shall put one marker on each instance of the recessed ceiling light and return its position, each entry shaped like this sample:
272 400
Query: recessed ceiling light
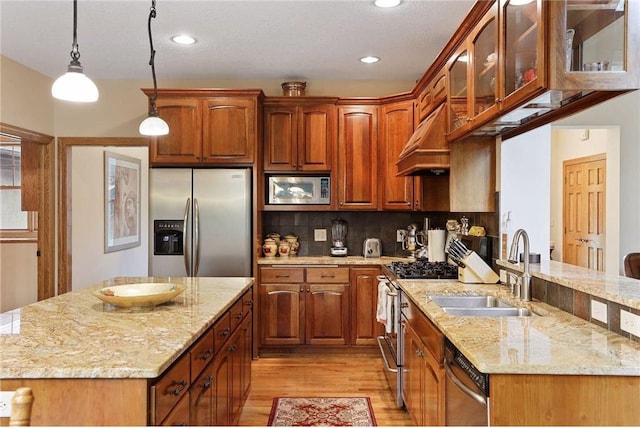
387 3
183 39
369 59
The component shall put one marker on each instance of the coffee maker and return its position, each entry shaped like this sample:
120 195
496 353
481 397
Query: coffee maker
338 235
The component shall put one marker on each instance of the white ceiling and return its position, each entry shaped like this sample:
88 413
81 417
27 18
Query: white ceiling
237 39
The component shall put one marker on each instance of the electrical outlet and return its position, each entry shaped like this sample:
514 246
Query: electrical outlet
5 403
400 234
630 322
319 234
599 311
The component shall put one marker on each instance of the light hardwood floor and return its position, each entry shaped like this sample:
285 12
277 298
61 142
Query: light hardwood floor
342 375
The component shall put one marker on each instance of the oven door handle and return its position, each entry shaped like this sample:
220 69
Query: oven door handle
478 397
384 356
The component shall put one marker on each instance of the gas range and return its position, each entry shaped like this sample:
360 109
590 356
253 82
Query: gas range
423 269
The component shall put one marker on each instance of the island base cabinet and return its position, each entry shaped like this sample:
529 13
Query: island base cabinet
564 400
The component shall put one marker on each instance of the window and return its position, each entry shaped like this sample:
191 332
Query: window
15 224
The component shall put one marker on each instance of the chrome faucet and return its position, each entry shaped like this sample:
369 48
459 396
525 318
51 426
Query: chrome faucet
525 283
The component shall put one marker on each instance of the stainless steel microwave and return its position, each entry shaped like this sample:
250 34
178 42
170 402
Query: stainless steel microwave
299 190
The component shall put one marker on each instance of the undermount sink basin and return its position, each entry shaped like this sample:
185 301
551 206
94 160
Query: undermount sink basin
478 306
469 302
489 312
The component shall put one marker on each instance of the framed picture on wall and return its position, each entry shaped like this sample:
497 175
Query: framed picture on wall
121 202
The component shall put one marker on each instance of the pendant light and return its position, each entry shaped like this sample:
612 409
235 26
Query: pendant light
153 125
74 85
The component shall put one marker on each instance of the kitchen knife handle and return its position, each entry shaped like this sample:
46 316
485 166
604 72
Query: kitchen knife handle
184 239
196 236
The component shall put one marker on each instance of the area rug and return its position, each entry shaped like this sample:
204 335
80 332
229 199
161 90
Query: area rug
322 411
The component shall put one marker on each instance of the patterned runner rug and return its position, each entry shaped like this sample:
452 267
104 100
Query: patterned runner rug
322 411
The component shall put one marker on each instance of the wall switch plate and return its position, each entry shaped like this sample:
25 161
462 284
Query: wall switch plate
599 311
319 234
400 234
5 403
630 322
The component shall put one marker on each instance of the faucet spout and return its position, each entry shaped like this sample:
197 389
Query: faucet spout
525 284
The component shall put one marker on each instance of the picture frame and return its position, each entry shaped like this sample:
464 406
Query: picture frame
121 202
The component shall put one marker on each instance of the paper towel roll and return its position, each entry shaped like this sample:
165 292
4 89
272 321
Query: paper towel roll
436 245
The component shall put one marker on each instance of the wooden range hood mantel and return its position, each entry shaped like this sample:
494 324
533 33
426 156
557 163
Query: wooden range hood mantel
427 151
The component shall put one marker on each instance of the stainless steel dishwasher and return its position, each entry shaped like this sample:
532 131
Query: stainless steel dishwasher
466 390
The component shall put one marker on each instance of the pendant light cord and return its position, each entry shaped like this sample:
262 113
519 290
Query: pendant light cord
75 52
152 62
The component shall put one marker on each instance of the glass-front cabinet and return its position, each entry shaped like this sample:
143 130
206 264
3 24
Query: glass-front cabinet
597 44
521 50
473 77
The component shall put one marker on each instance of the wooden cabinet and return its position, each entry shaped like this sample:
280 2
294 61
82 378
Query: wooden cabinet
206 127
364 298
304 306
209 384
396 127
472 182
433 94
299 137
423 368
357 177
594 44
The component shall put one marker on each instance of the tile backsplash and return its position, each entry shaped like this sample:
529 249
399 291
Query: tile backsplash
362 225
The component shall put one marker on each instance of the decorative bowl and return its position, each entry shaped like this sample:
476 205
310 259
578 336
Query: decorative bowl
139 295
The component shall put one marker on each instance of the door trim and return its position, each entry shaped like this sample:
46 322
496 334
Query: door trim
46 207
65 144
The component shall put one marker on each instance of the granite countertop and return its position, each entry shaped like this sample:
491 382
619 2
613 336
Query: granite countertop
553 342
615 288
75 335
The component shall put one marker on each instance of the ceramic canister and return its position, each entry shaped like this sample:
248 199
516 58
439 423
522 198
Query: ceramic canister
269 248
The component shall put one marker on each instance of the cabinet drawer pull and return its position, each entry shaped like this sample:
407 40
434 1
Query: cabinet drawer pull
282 275
226 332
249 303
238 316
180 386
327 275
206 354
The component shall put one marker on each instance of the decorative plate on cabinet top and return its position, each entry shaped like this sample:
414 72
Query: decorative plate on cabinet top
139 295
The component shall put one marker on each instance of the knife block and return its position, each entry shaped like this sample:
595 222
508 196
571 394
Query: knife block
476 271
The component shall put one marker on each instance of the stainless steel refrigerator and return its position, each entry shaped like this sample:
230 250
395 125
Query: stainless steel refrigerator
200 222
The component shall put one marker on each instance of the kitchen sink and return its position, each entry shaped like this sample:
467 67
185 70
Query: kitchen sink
478 306
469 302
489 312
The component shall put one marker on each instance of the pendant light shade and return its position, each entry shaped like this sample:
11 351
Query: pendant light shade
153 125
74 85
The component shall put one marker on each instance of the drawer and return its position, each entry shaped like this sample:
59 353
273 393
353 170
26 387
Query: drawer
247 301
221 331
428 333
179 416
201 353
170 388
281 275
339 275
237 312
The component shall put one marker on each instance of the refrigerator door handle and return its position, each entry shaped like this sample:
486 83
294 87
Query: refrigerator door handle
184 240
196 236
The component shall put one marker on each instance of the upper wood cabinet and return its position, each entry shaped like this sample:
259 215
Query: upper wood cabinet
434 93
522 62
472 182
299 137
357 177
206 127
396 127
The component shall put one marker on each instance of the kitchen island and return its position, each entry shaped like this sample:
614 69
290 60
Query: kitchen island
90 363
550 368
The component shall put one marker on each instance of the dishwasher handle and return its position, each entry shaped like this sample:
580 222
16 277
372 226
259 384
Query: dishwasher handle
478 397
